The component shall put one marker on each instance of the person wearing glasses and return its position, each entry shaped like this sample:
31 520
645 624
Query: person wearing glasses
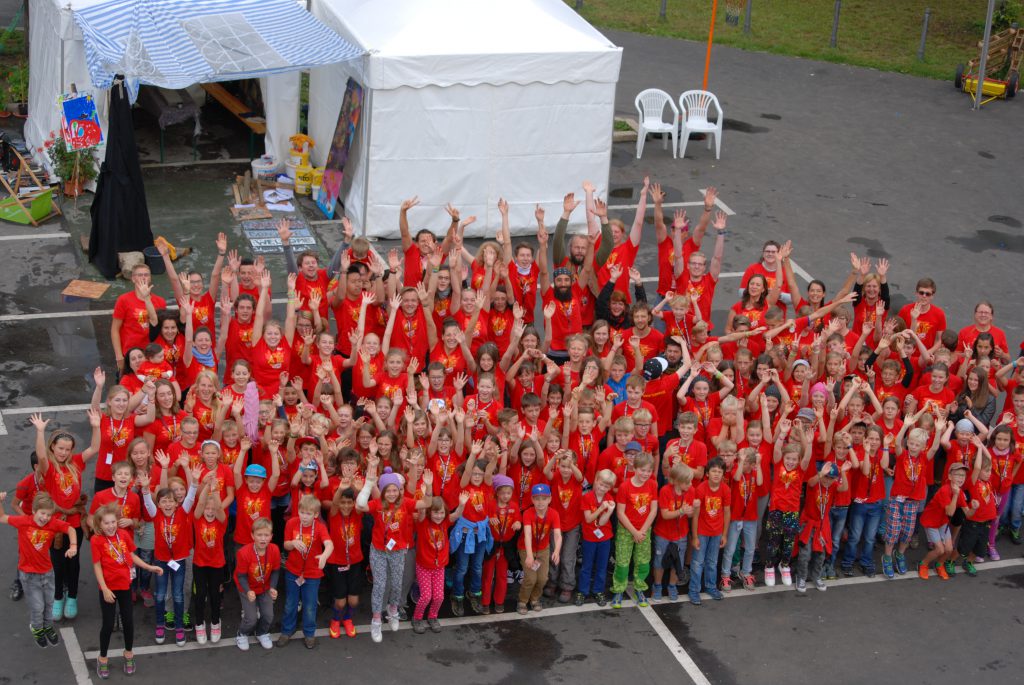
927 320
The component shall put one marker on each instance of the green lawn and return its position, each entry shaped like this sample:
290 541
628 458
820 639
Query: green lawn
883 34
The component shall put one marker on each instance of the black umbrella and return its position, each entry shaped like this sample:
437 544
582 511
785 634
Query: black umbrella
120 218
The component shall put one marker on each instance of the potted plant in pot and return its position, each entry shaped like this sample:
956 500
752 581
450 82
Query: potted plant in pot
75 167
16 94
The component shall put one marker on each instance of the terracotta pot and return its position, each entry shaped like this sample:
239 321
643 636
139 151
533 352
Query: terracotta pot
72 188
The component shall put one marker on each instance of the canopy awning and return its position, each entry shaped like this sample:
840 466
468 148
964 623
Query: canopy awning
176 43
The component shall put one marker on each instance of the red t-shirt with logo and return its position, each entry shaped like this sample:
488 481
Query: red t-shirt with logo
134 320
115 556
393 523
592 532
34 542
432 547
313 537
638 500
346 532
668 499
64 485
567 500
209 539
540 528
713 501
256 567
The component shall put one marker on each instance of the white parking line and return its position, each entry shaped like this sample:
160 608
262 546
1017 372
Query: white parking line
35 236
44 410
684 659
3 426
6 318
75 655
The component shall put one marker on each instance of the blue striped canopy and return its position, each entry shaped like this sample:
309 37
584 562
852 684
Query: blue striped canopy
175 43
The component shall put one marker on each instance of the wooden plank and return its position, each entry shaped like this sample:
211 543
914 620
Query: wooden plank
89 289
234 105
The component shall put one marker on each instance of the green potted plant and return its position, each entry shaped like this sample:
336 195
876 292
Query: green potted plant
75 167
16 94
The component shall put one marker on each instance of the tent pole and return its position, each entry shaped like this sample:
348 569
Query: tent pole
711 38
367 108
979 89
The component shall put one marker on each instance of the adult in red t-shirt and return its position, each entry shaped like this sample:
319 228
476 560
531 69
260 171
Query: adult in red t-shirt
134 313
272 342
927 320
416 252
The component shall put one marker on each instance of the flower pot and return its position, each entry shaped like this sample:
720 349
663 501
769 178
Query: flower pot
72 188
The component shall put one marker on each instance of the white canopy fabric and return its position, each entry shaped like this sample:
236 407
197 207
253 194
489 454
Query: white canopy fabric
174 43
466 101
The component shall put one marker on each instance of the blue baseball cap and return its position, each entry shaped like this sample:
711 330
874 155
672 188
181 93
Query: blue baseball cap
255 470
634 446
540 491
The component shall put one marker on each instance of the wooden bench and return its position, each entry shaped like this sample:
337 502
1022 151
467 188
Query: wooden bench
257 124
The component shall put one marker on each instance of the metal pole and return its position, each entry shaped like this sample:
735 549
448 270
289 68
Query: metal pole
835 24
924 33
664 7
746 17
980 85
711 38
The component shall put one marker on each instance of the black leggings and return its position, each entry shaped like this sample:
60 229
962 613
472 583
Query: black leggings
65 571
123 603
207 583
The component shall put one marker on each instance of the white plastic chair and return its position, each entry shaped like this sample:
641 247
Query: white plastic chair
650 105
695 104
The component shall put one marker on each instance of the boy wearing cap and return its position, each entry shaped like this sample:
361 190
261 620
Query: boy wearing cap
253 490
815 524
539 546
935 521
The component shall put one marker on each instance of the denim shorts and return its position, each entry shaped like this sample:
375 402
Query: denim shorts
936 535
661 549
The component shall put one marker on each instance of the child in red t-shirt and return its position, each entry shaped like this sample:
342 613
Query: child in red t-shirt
172 526
471 537
539 546
257 567
35 536
815 520
712 503
208 562
345 568
973 540
782 523
636 509
310 545
567 495
432 553
598 507
114 561
906 498
747 479
505 525
672 528
935 521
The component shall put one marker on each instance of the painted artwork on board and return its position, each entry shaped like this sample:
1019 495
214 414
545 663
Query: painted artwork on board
79 123
341 145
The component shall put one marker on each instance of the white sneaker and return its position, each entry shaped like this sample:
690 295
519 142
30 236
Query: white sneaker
393 622
820 584
265 641
243 642
801 586
201 634
787 577
214 633
769 576
375 631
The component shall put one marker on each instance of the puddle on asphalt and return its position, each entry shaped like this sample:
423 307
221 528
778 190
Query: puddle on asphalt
874 247
743 126
773 117
986 155
1005 220
987 239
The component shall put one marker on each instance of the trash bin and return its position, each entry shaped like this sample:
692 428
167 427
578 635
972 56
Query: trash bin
153 260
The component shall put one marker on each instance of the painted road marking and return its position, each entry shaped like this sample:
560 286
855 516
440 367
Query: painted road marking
561 611
684 659
35 236
75 655
6 318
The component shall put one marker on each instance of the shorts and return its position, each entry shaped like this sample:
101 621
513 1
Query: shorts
348 582
936 535
668 554
973 538
958 518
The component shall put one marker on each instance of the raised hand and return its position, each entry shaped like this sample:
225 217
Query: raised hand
410 203
283 231
679 221
569 203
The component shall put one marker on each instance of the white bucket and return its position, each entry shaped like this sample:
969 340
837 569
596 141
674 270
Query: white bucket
264 168
289 168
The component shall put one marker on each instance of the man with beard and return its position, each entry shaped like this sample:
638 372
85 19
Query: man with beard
563 300
597 224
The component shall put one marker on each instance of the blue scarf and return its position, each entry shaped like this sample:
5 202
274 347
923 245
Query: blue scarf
204 359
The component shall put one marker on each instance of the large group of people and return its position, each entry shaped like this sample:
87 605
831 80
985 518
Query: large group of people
443 423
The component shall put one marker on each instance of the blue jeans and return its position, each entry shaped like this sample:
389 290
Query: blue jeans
863 520
748 529
177 581
474 565
661 546
1015 511
704 564
292 592
143 578
837 517
594 572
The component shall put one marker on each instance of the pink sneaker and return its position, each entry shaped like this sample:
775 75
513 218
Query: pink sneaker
769 576
787 577
993 553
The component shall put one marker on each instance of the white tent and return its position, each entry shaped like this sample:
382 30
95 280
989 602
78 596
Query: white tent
173 44
466 101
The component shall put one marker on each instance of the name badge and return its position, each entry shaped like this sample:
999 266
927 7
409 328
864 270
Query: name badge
598 534
173 565
300 581
391 544
110 458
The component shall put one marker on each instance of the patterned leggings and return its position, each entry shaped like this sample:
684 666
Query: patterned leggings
627 548
431 582
782 528
388 568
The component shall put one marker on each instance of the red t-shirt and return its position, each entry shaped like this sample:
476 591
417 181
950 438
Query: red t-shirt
250 506
909 480
256 567
786 488
929 324
694 455
306 287
933 401
64 485
540 528
396 523
507 516
480 498
26 490
524 289
524 480
166 430
984 493
934 514
306 565
666 261
239 342
587 449
568 317
638 500
34 542
346 532
432 543
592 532
661 393
624 255
346 316
114 438
134 319
567 499
711 518
269 363
1002 469
414 266
703 288
668 499
114 554
209 538
870 488
129 505
173 535
410 334
743 506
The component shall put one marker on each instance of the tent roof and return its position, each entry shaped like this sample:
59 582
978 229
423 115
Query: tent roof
175 43
471 42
